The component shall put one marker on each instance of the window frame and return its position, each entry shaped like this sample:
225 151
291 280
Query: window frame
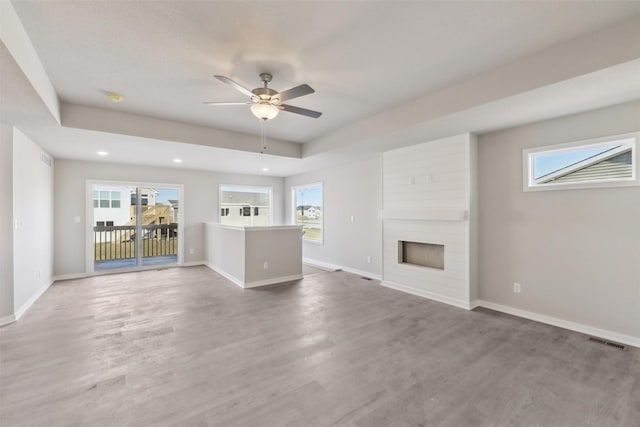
322 210
528 154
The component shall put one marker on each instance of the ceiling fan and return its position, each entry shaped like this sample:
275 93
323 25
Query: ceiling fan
265 102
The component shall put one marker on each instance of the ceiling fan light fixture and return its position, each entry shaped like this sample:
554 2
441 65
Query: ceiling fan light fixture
264 111
266 103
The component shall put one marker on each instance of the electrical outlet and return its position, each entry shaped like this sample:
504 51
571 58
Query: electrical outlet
368 260
191 251
353 218
516 288
266 266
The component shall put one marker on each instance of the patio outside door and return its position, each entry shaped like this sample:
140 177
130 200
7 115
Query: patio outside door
134 226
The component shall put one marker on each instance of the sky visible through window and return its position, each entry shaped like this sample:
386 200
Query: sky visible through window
309 196
166 194
551 162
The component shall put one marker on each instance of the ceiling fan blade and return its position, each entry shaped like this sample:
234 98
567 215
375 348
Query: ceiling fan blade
298 110
294 92
235 85
227 103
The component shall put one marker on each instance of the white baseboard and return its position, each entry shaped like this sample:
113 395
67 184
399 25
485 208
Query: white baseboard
561 323
334 267
254 284
69 276
226 275
7 319
426 294
272 281
193 263
474 304
321 264
19 312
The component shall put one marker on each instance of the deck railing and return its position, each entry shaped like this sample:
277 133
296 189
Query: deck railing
119 241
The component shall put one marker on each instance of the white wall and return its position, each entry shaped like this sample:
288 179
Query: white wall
200 200
354 189
576 253
241 253
226 251
34 213
6 221
280 248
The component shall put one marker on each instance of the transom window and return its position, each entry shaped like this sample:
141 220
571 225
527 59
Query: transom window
604 162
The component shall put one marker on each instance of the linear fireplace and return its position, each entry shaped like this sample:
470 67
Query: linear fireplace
421 254
430 202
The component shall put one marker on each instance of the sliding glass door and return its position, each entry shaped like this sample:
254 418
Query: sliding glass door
159 223
133 225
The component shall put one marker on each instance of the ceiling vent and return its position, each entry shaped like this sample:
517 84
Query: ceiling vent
46 159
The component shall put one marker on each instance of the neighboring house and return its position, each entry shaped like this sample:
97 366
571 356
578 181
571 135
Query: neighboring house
110 205
116 206
312 213
147 197
612 164
244 208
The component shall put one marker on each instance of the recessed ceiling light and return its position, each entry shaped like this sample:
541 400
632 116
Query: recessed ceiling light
115 97
103 153
177 160
265 169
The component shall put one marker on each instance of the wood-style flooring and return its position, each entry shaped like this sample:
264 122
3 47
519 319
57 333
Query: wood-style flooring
186 347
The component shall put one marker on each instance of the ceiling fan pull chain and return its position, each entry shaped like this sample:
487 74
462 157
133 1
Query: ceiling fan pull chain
263 136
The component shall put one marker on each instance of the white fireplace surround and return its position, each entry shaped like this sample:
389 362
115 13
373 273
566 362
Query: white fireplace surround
429 196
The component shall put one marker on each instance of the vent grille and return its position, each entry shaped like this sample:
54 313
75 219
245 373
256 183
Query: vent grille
45 159
609 343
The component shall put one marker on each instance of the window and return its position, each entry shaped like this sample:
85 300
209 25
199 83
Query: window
106 199
603 162
308 210
238 202
115 199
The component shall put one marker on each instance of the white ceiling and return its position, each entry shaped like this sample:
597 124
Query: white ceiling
362 58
